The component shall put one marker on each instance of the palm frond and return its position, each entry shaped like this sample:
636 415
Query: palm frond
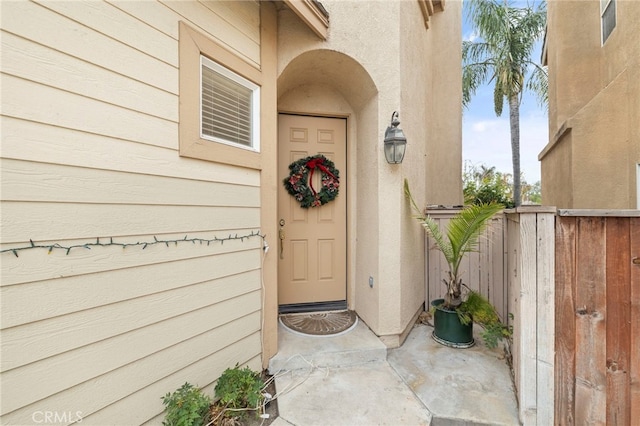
430 225
473 76
407 194
476 53
465 228
538 84
508 37
444 245
489 18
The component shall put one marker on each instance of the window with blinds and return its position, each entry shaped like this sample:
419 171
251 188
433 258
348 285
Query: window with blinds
229 107
608 18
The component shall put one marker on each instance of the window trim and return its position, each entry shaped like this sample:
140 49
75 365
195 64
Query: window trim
255 104
604 6
193 45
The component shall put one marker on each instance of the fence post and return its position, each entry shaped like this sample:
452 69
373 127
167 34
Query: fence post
531 258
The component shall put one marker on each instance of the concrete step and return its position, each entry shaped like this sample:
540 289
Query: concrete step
295 351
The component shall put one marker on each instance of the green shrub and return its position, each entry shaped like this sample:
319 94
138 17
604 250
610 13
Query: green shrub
187 406
239 389
479 310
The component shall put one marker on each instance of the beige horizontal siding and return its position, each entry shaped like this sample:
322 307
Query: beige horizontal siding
36 142
134 409
117 25
253 363
152 13
33 220
33 266
90 361
35 341
90 150
244 16
43 26
40 64
56 183
236 35
204 357
60 108
66 295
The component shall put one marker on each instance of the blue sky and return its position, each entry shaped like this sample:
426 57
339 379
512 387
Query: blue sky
486 138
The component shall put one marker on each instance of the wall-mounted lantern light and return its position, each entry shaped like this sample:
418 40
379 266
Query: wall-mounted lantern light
395 141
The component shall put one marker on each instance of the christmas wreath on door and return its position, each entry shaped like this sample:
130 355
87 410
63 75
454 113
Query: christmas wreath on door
300 184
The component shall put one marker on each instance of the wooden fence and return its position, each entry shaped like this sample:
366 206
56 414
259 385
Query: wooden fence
483 271
530 264
597 343
514 269
571 280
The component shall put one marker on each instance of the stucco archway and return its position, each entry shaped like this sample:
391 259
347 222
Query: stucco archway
325 67
329 83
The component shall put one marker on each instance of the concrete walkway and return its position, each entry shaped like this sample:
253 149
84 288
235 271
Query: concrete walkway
353 380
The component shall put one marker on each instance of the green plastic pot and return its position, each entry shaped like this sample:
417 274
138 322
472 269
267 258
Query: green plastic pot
448 330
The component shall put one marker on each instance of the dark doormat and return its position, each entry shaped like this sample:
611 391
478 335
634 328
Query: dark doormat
320 323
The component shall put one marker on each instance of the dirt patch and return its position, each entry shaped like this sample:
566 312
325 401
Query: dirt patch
425 318
272 406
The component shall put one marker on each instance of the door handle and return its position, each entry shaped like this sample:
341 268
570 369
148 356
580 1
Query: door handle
281 236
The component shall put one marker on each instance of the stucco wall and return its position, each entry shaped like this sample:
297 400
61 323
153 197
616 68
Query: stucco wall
594 92
558 172
444 103
437 161
367 68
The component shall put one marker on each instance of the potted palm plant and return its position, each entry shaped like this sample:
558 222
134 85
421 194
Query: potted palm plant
455 314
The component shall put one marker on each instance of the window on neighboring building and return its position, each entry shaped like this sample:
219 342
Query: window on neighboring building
608 17
229 107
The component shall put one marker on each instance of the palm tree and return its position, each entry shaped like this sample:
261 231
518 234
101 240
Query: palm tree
502 57
462 236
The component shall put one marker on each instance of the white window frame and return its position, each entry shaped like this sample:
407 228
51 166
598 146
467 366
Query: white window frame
604 5
255 105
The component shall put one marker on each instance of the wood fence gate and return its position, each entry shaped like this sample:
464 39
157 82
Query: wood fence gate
597 371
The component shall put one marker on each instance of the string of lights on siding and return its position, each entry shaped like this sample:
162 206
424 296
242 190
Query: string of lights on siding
107 242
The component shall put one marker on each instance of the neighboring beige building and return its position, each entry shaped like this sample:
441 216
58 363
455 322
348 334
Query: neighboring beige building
593 54
104 144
